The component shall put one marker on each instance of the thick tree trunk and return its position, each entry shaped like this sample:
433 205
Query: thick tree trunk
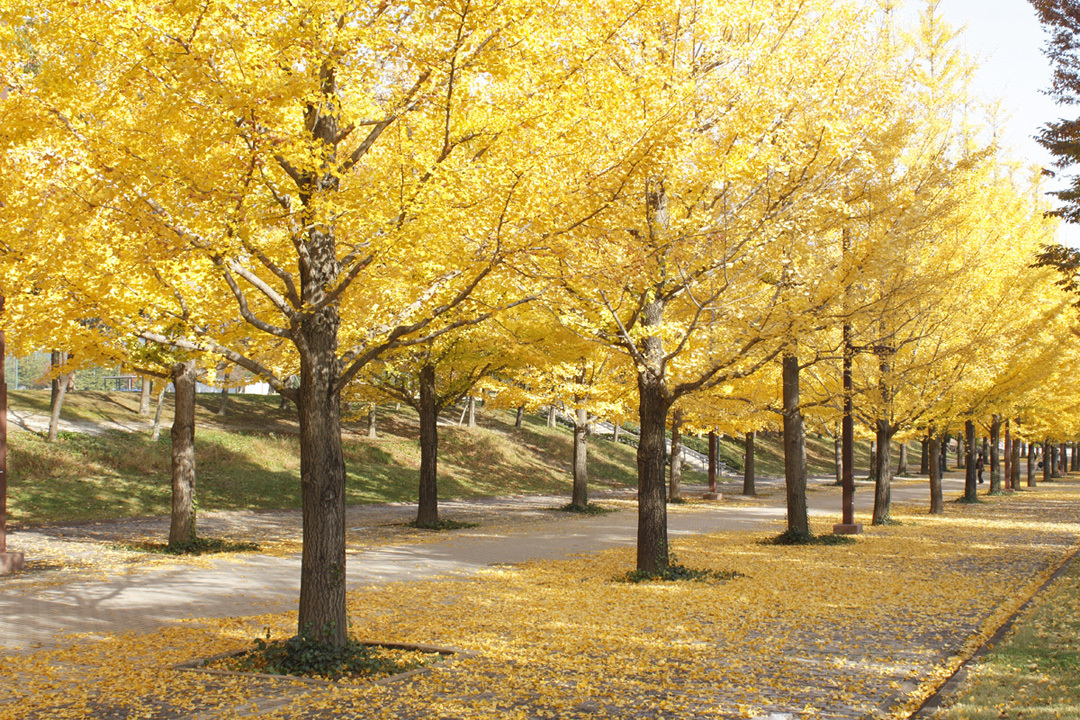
144 397
472 413
970 477
902 465
883 480
995 455
873 461
580 494
551 416
675 460
960 454
838 460
428 510
1064 459
945 452
56 359
322 475
616 433
924 456
652 540
224 402
798 522
937 501
372 422
519 421
1048 460
155 432
748 465
182 526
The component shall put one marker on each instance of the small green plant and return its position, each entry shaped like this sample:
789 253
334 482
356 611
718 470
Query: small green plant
674 572
304 657
198 546
792 537
587 509
441 525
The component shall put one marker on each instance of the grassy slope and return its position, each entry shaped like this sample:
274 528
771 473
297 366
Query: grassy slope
250 460
769 454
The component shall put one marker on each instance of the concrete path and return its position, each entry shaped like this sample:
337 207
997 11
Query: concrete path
36 608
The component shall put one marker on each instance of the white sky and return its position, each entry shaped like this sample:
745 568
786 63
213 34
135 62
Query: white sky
1007 39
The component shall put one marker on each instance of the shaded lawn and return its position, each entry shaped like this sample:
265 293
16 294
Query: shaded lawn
81 477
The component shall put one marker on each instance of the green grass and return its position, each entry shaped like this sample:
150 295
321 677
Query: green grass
250 460
1035 672
769 454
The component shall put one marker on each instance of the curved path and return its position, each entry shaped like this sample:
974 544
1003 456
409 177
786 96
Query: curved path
39 607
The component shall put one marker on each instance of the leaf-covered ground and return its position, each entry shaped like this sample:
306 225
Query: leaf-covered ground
833 632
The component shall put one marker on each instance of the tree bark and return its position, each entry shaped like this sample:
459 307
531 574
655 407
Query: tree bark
838 460
794 450
995 455
428 510
155 433
713 460
372 430
883 479
321 615
1064 463
970 477
182 526
472 413
551 416
748 465
57 405
924 456
224 402
902 465
675 460
616 433
937 501
1015 465
580 494
144 397
1007 458
873 461
519 421
960 455
1048 460
652 540
1031 465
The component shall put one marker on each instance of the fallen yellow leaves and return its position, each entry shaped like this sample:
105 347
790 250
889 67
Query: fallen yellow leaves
844 631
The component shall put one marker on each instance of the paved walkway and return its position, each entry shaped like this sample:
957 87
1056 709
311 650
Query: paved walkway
132 595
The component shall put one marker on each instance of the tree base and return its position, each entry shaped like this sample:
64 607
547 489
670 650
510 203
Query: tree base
847 529
712 496
12 562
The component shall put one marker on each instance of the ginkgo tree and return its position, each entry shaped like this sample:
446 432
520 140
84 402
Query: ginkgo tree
341 176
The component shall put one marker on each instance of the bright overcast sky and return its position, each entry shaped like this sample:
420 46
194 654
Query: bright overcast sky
1007 39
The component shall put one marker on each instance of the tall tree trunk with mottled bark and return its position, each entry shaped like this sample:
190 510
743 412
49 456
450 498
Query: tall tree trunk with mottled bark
883 479
798 522
551 416
427 513
1048 460
372 430
902 465
155 431
1015 465
519 421
924 456
182 525
937 501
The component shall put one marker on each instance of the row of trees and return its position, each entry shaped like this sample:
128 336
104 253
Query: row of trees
702 210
